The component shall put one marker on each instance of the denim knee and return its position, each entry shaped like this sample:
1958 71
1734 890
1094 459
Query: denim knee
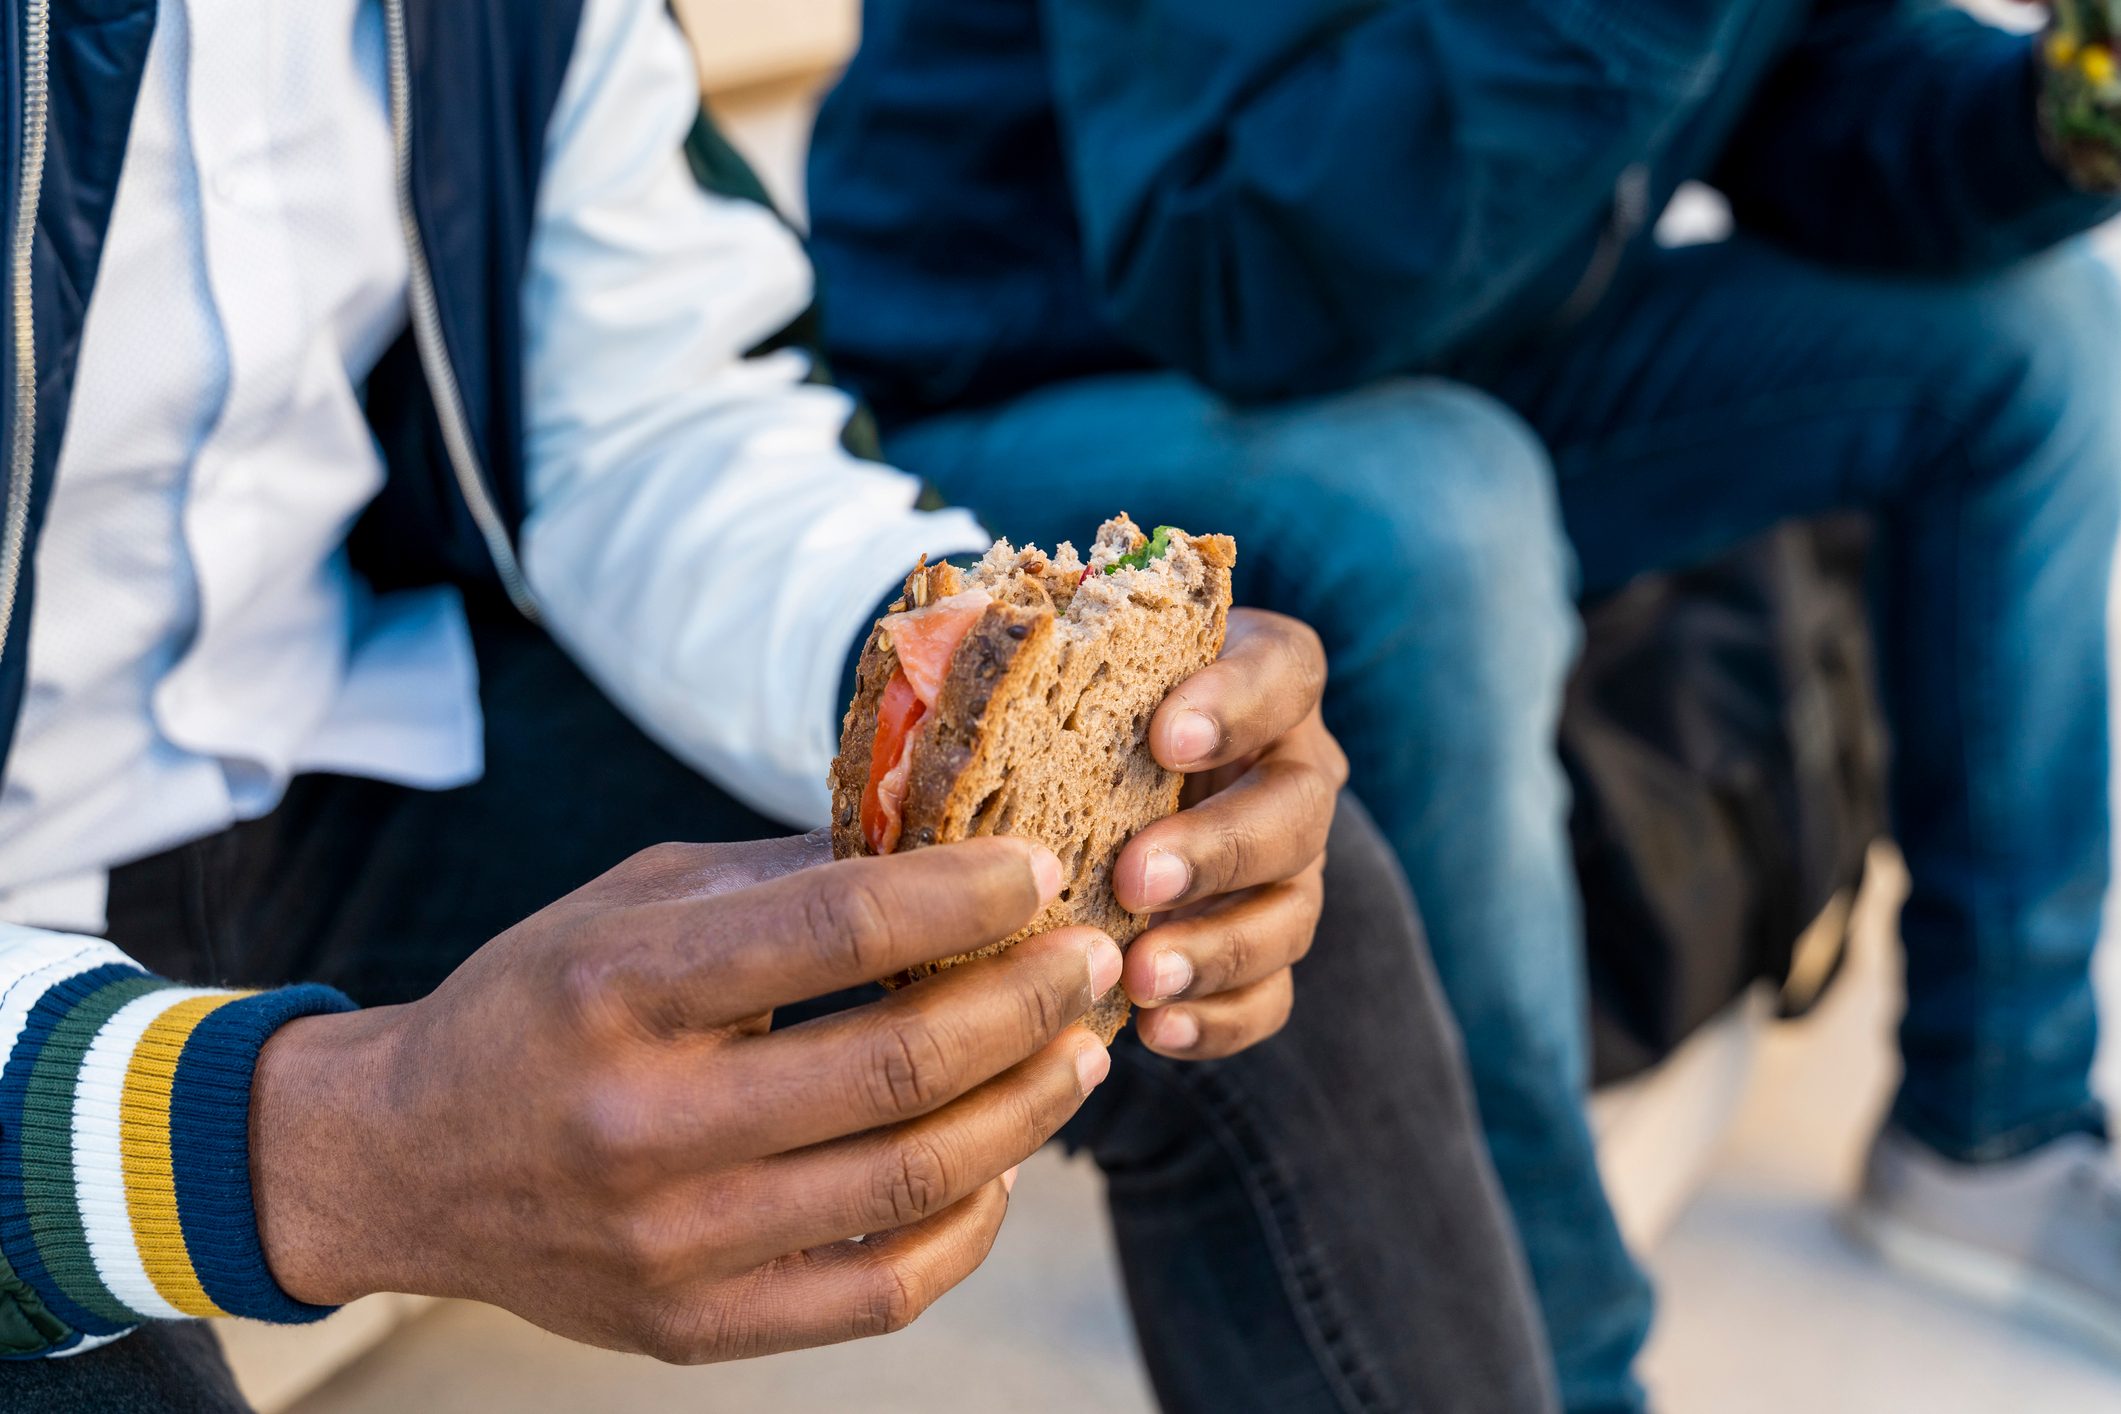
1436 539
2036 370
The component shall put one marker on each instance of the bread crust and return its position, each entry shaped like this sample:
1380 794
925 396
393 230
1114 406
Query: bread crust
850 769
994 664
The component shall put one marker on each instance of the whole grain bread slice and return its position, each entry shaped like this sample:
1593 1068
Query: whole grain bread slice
1041 728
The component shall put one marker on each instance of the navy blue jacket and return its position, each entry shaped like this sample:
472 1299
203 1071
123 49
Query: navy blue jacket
483 77
1291 196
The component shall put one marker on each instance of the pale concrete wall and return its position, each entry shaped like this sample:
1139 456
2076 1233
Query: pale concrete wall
746 42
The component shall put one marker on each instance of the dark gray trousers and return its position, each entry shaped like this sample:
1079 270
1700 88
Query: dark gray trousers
1310 1226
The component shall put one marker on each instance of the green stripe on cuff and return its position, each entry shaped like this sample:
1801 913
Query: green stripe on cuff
47 1148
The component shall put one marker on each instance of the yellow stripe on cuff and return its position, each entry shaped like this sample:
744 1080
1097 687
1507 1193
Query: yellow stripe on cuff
150 1177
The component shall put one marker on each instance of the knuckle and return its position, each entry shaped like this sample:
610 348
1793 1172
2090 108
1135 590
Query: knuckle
909 1070
613 1139
676 1335
585 991
1316 798
684 1348
1047 1006
1281 1006
1305 939
660 859
914 1181
1233 957
1336 762
651 1254
1235 855
1305 653
1311 892
657 1335
897 1297
1310 901
1037 1120
664 1348
848 923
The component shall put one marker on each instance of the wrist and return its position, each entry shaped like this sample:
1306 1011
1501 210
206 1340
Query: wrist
125 1190
322 1158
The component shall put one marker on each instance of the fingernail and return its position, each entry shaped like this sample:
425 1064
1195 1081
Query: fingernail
1177 1031
1173 975
1105 967
1164 877
1009 1179
1192 735
1046 869
1092 1064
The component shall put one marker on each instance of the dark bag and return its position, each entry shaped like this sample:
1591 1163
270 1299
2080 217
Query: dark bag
1724 742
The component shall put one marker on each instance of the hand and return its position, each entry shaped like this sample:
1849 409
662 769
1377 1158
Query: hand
1239 872
590 1123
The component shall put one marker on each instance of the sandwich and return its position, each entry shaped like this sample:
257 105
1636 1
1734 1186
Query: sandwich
1014 698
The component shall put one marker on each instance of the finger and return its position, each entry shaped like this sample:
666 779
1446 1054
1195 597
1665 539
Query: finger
1234 944
890 1061
897 1177
765 860
720 868
1220 1026
688 963
1270 677
826 1295
693 871
1263 829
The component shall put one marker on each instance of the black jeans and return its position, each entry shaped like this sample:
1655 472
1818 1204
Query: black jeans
1309 1226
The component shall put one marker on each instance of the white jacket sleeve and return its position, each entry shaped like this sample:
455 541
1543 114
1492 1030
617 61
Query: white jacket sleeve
697 538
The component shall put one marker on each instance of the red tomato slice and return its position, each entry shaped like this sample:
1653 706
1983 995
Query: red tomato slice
897 715
925 640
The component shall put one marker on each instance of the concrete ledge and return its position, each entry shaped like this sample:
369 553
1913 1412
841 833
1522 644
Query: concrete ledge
744 44
277 1365
1658 1133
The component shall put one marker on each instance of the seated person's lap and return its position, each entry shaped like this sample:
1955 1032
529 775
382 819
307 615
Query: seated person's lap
383 891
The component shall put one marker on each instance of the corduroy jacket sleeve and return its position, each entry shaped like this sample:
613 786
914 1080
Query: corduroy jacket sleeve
1285 196
124 1145
1902 135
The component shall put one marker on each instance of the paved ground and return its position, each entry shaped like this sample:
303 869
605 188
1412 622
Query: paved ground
1767 1309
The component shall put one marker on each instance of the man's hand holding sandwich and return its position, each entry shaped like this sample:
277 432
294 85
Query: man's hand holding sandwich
681 1180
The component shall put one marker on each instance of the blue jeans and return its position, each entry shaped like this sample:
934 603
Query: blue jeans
1432 533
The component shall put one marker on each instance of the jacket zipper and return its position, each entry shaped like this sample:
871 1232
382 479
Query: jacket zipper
427 333
22 313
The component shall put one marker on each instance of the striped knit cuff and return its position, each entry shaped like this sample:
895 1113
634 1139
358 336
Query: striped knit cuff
124 1151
